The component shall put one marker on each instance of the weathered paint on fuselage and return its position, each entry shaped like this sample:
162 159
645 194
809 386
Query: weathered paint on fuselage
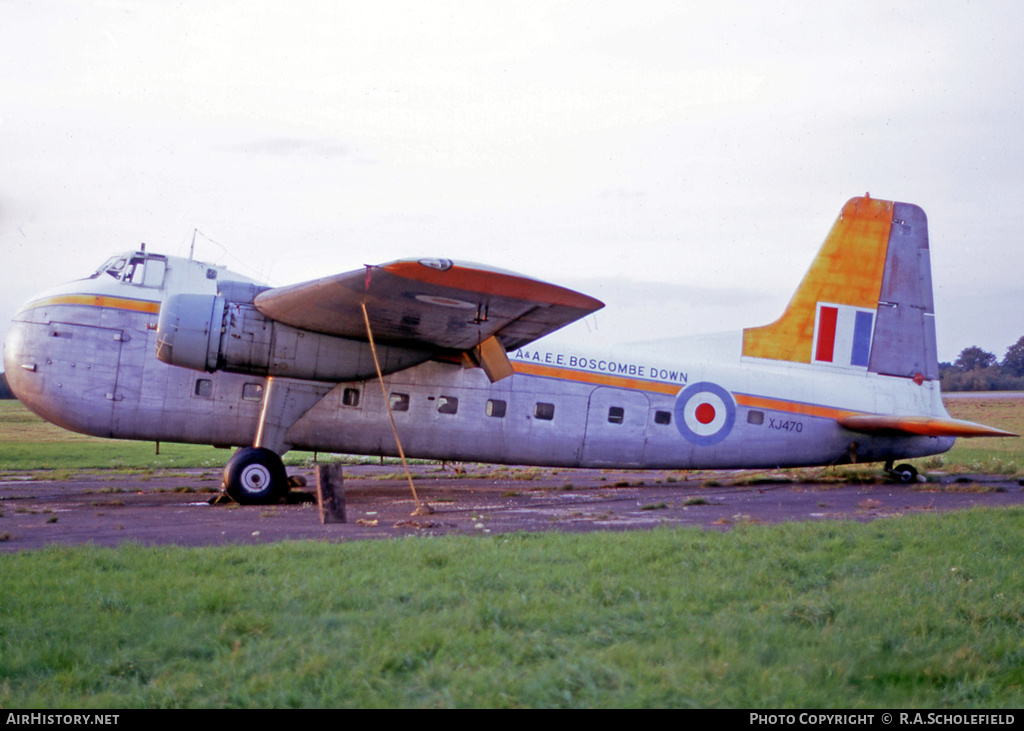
83 357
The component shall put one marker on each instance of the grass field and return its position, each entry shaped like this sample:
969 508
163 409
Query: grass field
924 611
29 443
999 456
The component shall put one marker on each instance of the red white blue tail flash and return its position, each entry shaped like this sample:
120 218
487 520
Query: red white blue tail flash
842 335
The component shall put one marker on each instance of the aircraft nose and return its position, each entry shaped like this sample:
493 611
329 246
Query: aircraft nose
17 366
62 371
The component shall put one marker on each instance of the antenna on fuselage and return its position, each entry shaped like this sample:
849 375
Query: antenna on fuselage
224 250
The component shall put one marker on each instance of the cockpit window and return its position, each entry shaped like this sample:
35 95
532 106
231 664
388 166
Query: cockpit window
112 266
138 269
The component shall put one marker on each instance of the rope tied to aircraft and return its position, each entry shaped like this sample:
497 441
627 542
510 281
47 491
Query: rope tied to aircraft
422 508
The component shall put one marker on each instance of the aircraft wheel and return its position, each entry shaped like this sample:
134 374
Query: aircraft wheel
255 476
905 473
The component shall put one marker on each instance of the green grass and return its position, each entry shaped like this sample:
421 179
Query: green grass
921 611
915 612
1003 456
29 443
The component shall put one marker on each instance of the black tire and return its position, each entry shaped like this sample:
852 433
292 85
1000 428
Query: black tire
255 476
905 473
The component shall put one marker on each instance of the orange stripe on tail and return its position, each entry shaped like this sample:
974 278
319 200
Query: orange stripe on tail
847 271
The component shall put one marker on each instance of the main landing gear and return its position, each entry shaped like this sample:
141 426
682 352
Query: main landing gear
255 476
904 473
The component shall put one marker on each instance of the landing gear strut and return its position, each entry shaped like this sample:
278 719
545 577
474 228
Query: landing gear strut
255 476
904 473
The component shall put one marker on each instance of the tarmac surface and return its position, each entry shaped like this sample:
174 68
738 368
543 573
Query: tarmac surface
174 507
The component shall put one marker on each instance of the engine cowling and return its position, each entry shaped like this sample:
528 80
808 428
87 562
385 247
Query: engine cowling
209 333
188 332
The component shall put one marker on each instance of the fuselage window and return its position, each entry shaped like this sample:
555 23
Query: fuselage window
755 417
204 388
350 397
447 405
252 391
662 417
496 408
544 411
616 414
399 401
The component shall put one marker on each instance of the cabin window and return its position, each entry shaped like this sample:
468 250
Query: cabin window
755 417
112 266
496 408
204 388
616 414
447 405
662 417
544 411
252 391
399 402
350 397
145 271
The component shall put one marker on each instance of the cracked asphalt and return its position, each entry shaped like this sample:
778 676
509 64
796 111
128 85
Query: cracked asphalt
175 507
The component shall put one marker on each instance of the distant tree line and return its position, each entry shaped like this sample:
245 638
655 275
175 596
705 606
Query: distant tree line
978 370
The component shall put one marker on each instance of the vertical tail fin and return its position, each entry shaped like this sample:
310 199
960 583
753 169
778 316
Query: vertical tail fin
866 302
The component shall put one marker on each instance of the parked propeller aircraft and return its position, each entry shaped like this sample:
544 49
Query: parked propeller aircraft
162 348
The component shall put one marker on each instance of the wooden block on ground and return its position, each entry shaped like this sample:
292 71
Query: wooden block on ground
330 493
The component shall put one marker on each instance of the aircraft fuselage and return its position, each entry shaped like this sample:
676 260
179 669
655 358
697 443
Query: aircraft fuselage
83 356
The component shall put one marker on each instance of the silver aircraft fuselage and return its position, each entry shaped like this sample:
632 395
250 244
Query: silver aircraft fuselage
83 356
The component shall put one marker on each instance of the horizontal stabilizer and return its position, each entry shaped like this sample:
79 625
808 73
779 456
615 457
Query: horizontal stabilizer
432 303
927 426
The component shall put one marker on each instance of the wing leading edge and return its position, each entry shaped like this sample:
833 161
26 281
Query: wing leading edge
435 303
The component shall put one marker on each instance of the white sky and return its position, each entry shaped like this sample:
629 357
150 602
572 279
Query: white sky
682 161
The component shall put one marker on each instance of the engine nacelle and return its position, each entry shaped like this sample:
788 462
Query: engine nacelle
208 333
188 332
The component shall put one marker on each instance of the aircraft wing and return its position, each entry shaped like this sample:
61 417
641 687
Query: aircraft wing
435 303
928 426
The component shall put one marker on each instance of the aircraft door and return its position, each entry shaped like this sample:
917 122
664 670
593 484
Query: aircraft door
78 367
137 348
616 431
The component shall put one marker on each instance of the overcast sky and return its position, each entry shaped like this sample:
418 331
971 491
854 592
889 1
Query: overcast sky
682 161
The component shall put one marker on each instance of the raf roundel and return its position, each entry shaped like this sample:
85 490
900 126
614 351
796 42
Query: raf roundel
705 413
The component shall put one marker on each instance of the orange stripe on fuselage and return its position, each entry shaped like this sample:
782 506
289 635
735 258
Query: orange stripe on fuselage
672 389
98 300
529 369
566 374
792 407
